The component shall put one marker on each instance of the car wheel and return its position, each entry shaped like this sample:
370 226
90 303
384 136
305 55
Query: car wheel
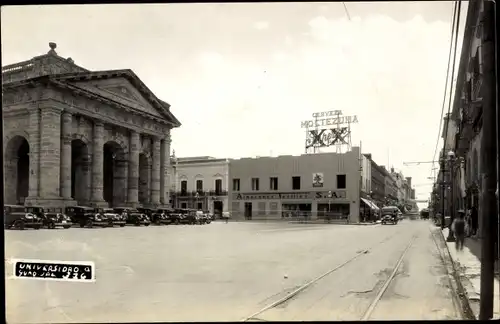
19 224
66 226
147 224
37 227
176 222
90 224
122 225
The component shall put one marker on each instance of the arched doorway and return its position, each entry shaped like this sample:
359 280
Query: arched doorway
80 171
114 174
17 170
144 178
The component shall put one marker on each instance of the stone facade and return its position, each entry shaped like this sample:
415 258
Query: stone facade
72 136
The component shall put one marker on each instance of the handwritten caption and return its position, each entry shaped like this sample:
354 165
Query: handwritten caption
54 270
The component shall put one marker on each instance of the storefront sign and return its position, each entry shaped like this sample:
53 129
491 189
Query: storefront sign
318 179
291 195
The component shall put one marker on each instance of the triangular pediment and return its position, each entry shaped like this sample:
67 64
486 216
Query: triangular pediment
120 89
122 86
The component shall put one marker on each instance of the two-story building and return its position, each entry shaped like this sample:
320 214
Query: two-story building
200 183
272 187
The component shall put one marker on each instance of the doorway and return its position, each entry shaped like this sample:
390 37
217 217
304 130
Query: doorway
248 210
218 208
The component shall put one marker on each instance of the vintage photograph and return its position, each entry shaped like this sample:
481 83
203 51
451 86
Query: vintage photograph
267 161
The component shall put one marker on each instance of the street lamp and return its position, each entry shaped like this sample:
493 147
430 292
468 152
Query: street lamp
451 161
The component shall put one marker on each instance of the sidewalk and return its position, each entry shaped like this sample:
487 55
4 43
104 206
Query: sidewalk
468 264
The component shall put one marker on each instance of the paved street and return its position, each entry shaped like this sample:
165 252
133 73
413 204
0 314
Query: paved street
227 272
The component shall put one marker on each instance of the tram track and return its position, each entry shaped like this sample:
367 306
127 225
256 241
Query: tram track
369 311
255 317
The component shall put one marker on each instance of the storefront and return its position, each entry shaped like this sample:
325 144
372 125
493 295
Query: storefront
313 205
369 211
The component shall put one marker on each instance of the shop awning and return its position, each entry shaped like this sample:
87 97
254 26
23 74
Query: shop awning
370 204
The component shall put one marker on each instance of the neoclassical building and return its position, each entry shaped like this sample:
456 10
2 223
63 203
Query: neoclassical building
74 136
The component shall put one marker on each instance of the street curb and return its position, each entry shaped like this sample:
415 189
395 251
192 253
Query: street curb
460 297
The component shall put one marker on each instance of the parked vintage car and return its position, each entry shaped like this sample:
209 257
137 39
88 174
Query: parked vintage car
15 216
86 216
188 217
114 218
209 216
162 216
146 211
133 216
52 217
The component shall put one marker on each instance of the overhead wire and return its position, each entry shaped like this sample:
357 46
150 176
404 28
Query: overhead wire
452 75
454 15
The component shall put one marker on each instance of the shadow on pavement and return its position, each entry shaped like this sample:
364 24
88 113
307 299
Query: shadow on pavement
474 245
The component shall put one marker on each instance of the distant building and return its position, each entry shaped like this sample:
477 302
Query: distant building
200 183
391 195
377 193
312 184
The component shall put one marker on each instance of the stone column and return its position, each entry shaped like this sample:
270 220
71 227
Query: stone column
50 149
66 155
87 175
97 163
34 154
164 168
155 172
133 169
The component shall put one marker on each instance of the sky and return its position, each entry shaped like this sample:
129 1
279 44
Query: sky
241 77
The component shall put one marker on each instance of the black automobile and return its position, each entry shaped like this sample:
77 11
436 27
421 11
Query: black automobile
86 216
52 217
186 216
390 215
113 217
16 217
133 216
146 211
424 213
162 216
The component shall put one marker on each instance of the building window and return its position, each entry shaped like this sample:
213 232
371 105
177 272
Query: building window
341 181
218 186
296 183
236 184
255 184
184 186
273 183
199 185
200 206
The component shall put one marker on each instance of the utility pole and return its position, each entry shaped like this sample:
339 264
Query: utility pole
497 21
443 189
489 228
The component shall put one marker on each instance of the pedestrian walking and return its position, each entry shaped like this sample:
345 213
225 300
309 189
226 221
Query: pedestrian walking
458 227
226 216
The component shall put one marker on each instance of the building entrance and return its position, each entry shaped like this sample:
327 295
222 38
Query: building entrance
248 210
296 210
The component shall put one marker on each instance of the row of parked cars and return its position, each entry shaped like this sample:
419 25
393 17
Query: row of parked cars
21 217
